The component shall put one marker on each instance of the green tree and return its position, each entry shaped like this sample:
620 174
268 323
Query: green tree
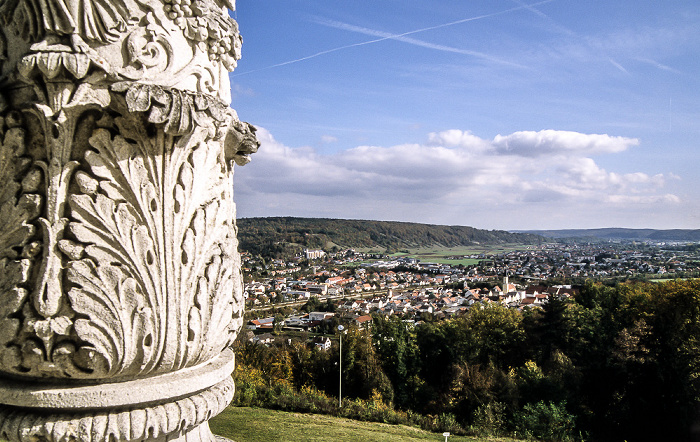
555 326
278 322
395 343
494 334
362 372
312 305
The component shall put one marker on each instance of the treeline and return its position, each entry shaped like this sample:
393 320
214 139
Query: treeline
625 234
274 236
618 363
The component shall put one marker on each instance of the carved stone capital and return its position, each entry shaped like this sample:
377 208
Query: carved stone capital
120 283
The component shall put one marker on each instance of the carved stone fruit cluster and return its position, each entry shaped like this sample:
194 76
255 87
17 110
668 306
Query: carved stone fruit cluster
217 36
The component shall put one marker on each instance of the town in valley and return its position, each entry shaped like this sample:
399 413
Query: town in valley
348 286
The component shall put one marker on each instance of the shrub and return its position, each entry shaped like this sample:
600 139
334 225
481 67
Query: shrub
545 421
253 391
489 420
448 422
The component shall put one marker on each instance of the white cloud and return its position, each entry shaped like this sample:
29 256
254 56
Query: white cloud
458 138
647 199
454 177
548 142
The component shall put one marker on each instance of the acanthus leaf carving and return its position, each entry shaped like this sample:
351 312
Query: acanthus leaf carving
179 111
206 263
106 252
52 64
117 323
19 209
123 234
15 212
117 229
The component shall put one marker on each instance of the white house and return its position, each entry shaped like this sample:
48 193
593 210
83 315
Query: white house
320 316
323 344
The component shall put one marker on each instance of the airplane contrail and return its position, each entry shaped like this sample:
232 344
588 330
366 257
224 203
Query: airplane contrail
399 38
554 24
618 66
413 41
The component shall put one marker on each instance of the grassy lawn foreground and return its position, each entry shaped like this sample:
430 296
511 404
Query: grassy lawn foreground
244 424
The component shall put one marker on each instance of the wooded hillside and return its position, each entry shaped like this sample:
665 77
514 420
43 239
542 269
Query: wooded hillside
612 364
265 235
623 234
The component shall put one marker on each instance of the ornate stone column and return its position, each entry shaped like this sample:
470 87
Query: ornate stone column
120 284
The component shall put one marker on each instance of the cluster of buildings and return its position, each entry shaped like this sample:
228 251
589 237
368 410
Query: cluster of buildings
410 305
439 302
358 285
349 273
594 261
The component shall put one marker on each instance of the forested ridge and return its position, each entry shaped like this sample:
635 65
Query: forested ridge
260 235
615 363
623 234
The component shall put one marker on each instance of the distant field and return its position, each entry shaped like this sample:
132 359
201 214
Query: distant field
670 279
243 424
439 254
454 262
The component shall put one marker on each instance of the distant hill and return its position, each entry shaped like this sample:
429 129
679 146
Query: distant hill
619 233
271 236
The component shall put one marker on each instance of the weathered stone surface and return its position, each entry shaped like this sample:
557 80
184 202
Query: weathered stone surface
181 44
119 269
179 420
49 395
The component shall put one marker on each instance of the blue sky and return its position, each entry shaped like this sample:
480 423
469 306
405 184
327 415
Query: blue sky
497 114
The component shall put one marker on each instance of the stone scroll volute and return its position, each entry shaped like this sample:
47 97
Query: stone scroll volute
118 251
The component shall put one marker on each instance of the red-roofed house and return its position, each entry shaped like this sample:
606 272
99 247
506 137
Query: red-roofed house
364 321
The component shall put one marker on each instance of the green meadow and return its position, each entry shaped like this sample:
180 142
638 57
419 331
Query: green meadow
244 424
443 255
